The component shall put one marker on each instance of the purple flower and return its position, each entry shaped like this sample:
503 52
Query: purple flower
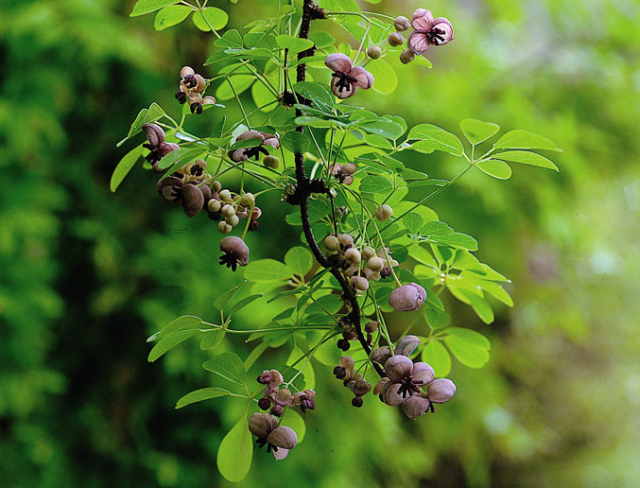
264 139
347 79
428 31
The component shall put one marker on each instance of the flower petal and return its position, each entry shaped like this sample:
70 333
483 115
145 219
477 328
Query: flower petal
344 91
422 20
281 453
364 79
338 62
418 42
444 25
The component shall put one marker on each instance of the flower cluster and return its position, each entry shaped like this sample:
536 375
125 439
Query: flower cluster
343 172
407 383
378 264
156 145
345 371
276 399
192 86
427 32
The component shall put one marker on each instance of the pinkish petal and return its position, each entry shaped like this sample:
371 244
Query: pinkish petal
273 142
418 42
338 62
422 22
239 155
342 91
364 79
281 453
445 26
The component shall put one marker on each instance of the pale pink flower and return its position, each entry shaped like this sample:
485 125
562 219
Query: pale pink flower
347 79
428 31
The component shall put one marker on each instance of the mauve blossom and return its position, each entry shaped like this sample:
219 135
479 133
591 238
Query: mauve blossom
264 139
347 79
408 297
428 31
156 145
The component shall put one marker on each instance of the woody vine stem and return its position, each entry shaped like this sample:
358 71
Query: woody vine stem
305 187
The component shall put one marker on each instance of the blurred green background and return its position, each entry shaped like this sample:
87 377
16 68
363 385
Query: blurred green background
87 275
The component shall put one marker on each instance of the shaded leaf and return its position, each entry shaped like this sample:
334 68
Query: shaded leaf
125 165
299 260
267 270
200 395
229 366
226 297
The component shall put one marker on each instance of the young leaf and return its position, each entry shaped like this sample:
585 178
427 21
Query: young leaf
200 395
299 260
526 157
495 168
296 142
293 44
229 366
413 222
146 6
212 339
231 38
435 354
432 138
244 302
469 347
477 131
376 184
210 17
170 16
226 297
521 139
385 76
267 270
184 322
236 452
124 166
169 342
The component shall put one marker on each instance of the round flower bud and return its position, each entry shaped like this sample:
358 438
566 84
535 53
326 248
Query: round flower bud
367 273
371 326
261 424
401 23
233 220
264 404
407 345
192 200
415 406
381 355
384 213
271 162
347 363
248 200
214 205
368 253
374 52
349 168
408 297
351 271
352 256
359 283
332 243
398 367
422 373
284 437
271 377
395 39
345 240
361 387
224 227
375 264
277 410
216 186
407 56
441 390
228 210
256 213
225 195
339 372
357 402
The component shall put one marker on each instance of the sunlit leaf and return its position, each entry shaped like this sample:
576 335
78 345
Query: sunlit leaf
267 270
495 168
521 139
526 157
432 138
229 366
469 347
236 452
210 17
436 355
200 395
146 6
477 131
299 260
170 16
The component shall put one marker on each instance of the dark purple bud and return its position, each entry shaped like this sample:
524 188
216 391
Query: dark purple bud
264 404
192 200
357 402
408 297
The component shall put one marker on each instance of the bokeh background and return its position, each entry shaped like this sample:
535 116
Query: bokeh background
87 275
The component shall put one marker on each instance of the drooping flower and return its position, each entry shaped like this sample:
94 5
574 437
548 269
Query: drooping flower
235 252
263 139
346 79
428 31
278 439
408 297
156 144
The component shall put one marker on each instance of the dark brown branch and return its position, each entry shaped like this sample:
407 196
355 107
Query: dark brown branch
304 188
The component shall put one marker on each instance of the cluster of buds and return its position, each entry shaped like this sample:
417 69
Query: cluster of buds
262 139
343 172
192 86
407 383
228 209
276 398
345 371
278 438
360 266
427 31
346 78
156 145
